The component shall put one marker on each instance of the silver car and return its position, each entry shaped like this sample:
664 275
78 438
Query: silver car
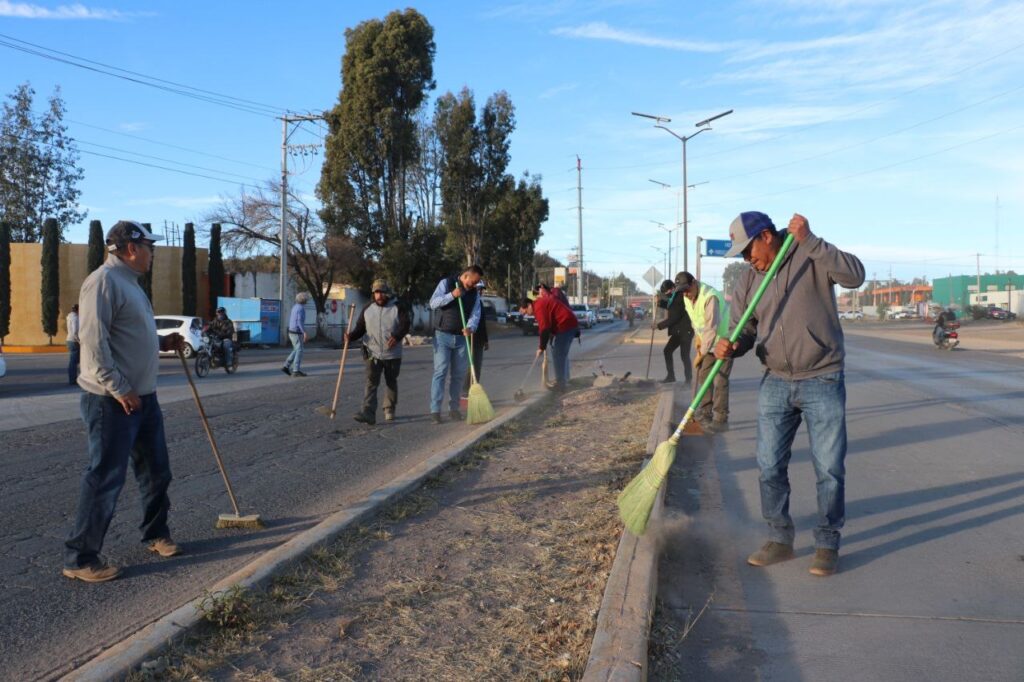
190 328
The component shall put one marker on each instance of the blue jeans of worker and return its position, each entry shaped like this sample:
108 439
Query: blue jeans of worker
74 357
781 406
115 438
449 358
560 346
294 361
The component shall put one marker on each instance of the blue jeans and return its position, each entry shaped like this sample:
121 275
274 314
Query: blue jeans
113 438
294 361
781 406
560 346
74 356
449 358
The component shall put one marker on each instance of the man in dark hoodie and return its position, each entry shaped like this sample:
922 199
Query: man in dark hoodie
795 331
680 330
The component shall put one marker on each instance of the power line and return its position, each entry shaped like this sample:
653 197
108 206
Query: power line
172 170
209 96
159 158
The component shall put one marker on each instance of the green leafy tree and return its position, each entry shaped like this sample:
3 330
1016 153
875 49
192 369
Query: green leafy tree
513 229
188 270
97 245
475 156
386 72
5 280
39 173
731 276
50 289
216 270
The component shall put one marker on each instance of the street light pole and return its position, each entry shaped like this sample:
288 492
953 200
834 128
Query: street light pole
668 274
701 127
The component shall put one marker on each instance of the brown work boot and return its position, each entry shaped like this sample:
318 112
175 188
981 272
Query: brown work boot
389 415
165 547
771 553
825 561
98 572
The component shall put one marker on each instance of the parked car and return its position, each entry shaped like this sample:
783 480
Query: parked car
3 363
489 312
605 315
584 315
190 328
639 313
997 313
851 315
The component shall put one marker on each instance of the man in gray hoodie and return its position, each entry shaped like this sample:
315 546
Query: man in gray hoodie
795 332
382 325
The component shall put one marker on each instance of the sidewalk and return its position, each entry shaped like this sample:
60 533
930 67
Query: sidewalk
929 586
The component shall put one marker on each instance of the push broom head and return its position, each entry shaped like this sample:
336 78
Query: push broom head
237 521
637 499
479 409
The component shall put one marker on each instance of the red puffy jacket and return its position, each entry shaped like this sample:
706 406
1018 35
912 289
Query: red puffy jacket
553 317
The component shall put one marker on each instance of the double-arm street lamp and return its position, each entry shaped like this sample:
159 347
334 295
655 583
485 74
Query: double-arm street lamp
701 127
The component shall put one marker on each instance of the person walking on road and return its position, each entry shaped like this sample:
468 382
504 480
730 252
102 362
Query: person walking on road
382 325
795 332
449 347
709 315
557 323
680 330
74 345
297 336
123 421
222 329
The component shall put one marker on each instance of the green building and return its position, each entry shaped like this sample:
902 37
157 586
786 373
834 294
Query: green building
957 289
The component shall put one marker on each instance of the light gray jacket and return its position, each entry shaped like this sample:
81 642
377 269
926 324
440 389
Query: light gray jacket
120 348
378 323
795 328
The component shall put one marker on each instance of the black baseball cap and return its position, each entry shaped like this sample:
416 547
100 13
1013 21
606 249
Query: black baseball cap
125 231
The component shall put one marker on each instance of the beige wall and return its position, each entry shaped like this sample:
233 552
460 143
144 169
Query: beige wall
26 284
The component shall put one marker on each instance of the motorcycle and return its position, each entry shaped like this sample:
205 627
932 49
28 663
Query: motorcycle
210 355
947 337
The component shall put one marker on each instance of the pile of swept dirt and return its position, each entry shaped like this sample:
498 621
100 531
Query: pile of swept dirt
494 569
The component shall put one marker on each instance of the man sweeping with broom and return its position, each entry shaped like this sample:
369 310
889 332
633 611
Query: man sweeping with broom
458 306
795 331
382 325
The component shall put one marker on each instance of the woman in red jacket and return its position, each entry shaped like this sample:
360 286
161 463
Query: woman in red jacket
555 322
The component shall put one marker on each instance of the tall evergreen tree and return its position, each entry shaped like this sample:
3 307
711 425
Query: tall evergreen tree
5 280
50 289
188 271
216 269
97 245
146 280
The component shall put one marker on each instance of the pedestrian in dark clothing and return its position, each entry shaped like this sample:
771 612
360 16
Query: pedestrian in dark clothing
74 346
382 325
120 362
680 330
795 332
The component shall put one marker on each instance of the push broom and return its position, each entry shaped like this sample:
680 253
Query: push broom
341 368
478 408
236 520
637 499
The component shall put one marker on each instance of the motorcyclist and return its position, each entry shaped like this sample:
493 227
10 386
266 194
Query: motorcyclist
945 317
221 330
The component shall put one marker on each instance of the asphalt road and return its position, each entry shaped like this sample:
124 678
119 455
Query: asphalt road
932 560
287 463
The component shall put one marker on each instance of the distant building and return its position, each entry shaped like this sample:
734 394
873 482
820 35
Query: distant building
957 290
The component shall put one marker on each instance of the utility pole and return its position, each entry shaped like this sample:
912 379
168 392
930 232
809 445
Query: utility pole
977 261
697 275
874 289
579 228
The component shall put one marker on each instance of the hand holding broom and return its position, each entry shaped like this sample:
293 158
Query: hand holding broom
478 409
637 499
341 367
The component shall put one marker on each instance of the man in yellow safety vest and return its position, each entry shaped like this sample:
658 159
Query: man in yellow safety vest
709 314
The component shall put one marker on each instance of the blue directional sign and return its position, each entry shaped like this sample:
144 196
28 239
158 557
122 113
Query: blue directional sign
717 247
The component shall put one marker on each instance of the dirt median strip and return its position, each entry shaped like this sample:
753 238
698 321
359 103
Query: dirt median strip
493 569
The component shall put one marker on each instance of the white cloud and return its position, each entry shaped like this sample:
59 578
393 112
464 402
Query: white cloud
131 127
599 30
558 90
25 10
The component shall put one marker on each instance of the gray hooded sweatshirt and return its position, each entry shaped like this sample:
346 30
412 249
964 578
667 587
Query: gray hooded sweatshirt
795 328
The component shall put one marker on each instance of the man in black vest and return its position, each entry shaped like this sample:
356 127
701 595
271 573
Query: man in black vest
680 329
450 356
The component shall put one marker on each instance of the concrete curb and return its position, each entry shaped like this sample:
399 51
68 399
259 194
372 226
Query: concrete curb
619 649
123 657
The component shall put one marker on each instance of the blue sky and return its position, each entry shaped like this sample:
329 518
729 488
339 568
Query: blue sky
892 126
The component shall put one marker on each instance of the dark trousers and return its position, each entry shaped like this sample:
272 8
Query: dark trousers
115 437
478 366
390 370
683 343
715 403
74 355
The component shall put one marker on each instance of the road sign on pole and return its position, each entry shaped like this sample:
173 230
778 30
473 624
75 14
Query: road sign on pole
717 247
653 277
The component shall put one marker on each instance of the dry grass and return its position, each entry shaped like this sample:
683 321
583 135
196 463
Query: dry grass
493 569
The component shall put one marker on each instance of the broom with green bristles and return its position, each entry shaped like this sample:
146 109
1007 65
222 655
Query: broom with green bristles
637 499
478 407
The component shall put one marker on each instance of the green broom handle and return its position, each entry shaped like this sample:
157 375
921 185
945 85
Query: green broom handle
469 346
769 276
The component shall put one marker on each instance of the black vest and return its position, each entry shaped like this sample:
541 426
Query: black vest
450 320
